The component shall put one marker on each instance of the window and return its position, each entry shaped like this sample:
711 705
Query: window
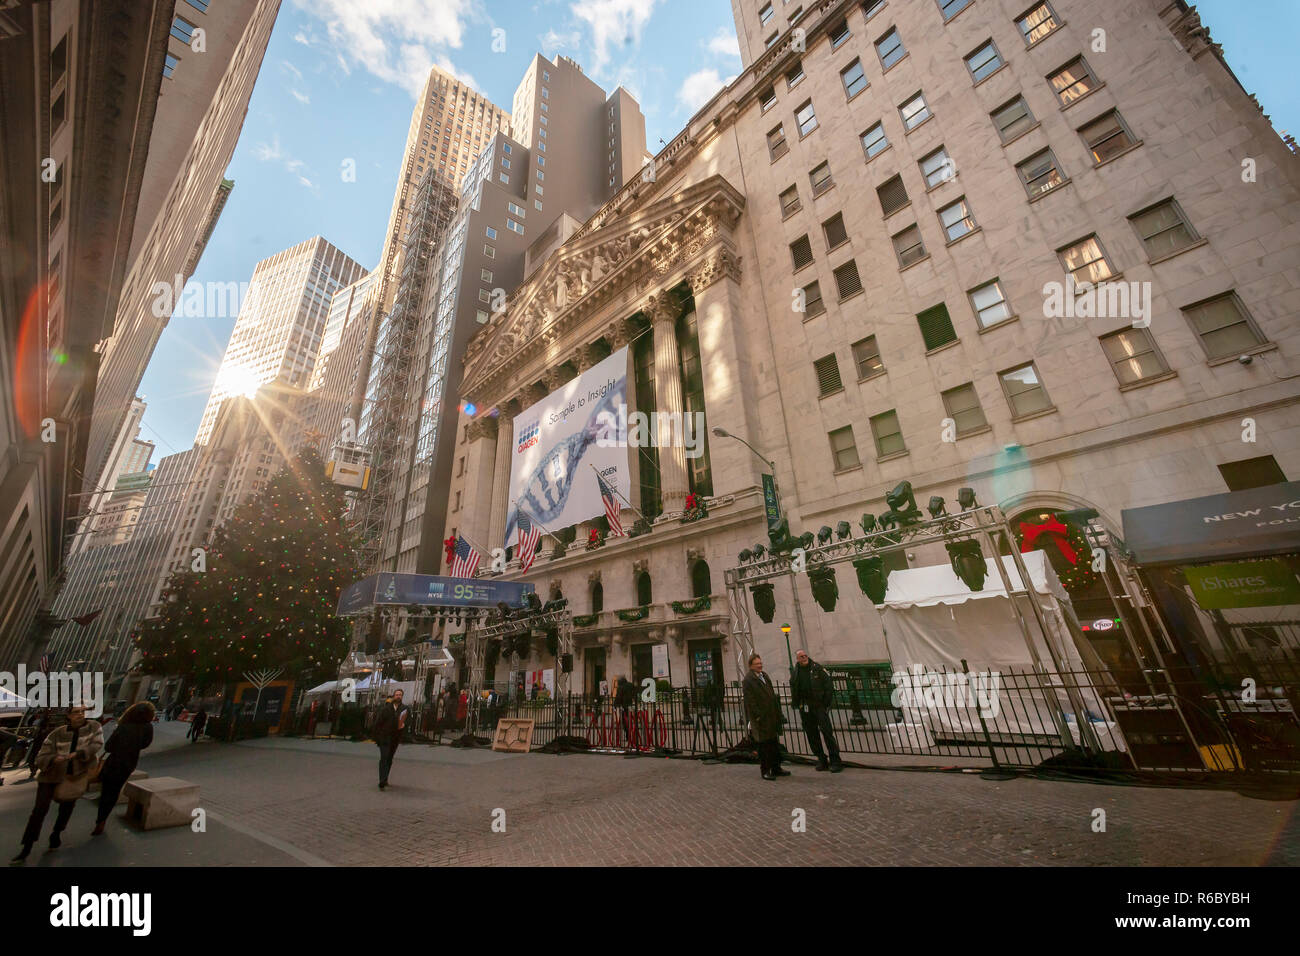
989 303
874 141
514 226
538 203
546 94
770 40
984 62
1085 261
839 33
1012 119
776 144
503 177
170 63
489 251
1252 473
505 148
957 219
1037 22
893 195
1107 136
806 119
481 317
484 295
936 327
871 7
937 168
505 163
1133 355
834 231
541 160
491 232
790 202
847 282
794 76
183 30
821 179
963 406
866 356
515 209
950 8
828 375
1073 81
887 433
854 80
890 48
765 15
1163 229
908 246
914 112
200 5
794 17
844 453
1223 326
767 99
1024 391
812 301
1039 173
801 252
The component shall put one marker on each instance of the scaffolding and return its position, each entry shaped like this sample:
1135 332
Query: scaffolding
397 360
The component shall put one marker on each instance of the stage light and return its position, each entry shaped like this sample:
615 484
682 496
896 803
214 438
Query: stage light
968 563
505 611
556 604
936 507
843 530
759 552
746 556
868 523
764 601
534 602
824 534
825 590
873 578
902 503
805 540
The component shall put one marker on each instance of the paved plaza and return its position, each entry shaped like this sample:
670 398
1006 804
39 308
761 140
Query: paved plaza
291 802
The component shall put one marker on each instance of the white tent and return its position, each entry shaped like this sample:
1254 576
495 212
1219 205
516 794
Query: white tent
933 622
11 703
329 687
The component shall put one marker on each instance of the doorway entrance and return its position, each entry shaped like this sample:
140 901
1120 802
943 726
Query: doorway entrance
593 662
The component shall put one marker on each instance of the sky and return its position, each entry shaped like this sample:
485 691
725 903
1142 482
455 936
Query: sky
340 78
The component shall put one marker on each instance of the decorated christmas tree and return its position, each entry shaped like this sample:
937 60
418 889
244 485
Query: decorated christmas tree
270 589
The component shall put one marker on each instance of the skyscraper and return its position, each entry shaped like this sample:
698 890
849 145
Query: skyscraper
278 333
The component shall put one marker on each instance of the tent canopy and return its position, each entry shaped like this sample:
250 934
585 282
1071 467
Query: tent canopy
939 584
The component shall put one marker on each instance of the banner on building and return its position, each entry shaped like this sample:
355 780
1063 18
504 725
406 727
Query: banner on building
560 444
1244 584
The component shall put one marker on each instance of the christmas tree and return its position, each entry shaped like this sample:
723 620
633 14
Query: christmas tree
270 589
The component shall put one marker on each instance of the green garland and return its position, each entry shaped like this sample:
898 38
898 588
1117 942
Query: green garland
693 607
631 614
584 620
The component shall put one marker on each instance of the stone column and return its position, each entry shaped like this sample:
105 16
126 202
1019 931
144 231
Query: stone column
663 310
501 474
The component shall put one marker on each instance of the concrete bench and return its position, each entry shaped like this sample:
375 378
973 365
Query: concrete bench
161 802
93 788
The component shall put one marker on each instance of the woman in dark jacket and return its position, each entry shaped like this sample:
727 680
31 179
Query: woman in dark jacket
133 734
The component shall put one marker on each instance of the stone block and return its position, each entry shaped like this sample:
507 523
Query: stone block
161 802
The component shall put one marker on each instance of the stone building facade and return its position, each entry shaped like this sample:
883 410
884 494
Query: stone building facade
876 285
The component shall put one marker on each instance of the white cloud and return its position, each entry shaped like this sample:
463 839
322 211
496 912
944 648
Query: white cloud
292 70
698 88
396 40
272 152
615 24
302 98
552 40
301 37
725 43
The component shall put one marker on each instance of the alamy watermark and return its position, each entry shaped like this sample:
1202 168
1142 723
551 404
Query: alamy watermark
931 690
199 300
624 429
1100 300
57 688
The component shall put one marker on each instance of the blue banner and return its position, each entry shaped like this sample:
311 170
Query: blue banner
429 590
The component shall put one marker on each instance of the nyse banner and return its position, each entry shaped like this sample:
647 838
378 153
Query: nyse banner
559 440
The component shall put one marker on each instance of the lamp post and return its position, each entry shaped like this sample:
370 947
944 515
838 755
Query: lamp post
785 629
723 433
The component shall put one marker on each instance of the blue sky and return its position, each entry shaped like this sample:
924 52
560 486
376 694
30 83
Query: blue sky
340 78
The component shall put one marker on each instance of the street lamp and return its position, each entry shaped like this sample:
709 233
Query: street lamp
785 629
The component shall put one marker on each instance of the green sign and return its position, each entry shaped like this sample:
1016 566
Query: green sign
1243 584
771 505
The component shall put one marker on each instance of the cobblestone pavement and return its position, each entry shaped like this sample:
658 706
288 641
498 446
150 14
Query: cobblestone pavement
278 802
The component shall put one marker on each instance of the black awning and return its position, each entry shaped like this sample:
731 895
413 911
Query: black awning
1258 521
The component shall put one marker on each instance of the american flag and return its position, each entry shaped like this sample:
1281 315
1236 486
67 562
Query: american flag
465 564
45 663
529 534
612 508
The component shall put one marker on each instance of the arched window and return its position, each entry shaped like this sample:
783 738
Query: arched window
700 581
597 598
644 594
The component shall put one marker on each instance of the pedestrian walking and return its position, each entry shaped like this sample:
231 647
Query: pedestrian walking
764 712
811 692
42 724
134 733
197 724
390 719
67 756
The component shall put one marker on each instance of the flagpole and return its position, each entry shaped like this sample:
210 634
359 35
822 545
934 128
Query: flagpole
634 508
545 529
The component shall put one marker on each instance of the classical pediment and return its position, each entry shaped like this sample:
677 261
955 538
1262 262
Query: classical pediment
597 266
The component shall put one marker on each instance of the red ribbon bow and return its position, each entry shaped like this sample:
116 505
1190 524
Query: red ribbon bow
1029 534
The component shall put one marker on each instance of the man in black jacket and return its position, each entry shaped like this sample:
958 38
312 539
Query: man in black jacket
811 693
390 719
764 712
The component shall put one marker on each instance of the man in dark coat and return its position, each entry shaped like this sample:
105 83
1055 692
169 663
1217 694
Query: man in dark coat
764 712
390 719
811 693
